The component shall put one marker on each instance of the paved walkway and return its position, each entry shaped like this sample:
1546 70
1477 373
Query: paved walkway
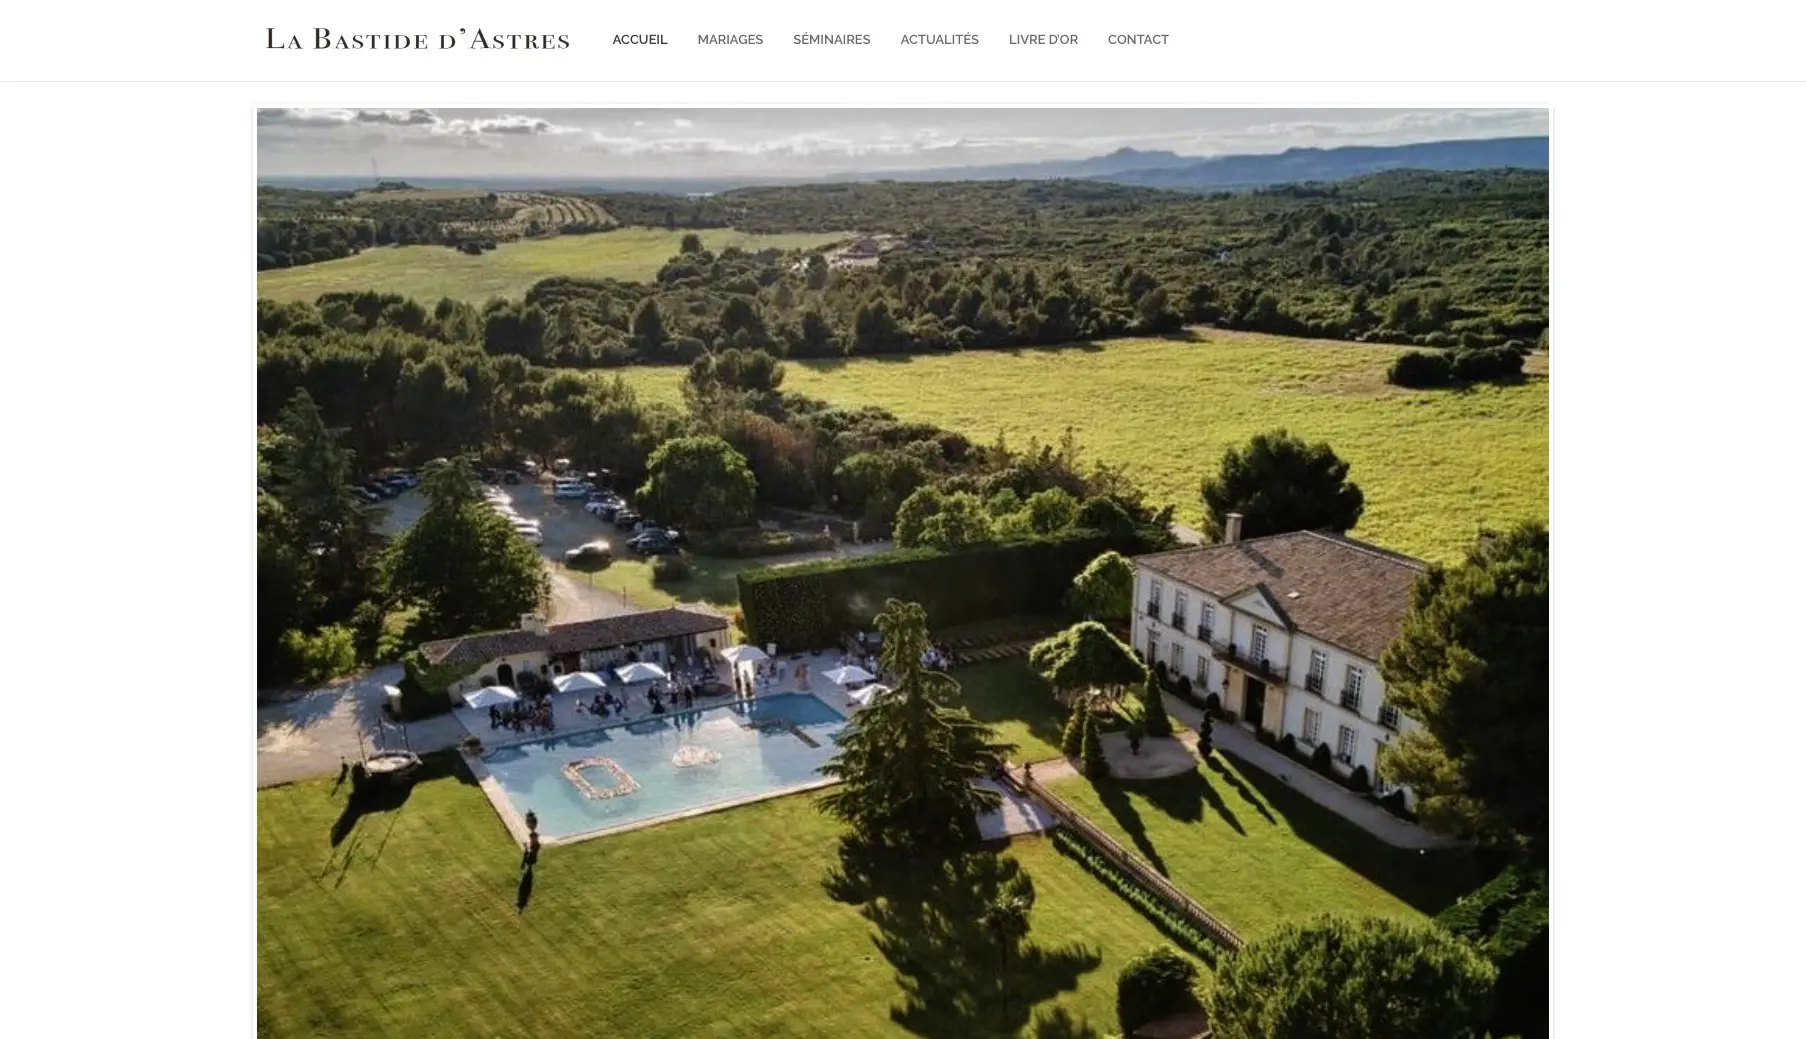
1020 814
1238 741
305 736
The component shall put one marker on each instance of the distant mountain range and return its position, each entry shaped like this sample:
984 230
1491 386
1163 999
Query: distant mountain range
1301 164
1150 169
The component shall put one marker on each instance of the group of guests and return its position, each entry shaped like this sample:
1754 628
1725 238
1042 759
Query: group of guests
522 715
936 658
684 694
603 704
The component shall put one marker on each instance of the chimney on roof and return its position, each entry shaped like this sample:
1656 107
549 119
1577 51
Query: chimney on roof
533 622
1232 528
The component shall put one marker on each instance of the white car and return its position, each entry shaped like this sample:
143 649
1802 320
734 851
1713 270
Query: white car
531 534
570 490
497 496
504 511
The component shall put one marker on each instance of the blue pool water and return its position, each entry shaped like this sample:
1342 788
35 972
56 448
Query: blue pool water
736 751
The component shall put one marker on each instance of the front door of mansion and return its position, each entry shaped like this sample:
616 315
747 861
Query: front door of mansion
1254 700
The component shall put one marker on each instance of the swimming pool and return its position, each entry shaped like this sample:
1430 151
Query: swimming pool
667 764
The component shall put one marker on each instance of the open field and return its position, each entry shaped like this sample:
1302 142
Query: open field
1433 464
431 272
1257 853
408 922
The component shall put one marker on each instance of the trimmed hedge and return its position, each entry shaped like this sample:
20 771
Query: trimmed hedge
816 604
1169 923
749 543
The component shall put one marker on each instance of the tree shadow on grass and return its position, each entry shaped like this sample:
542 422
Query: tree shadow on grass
1427 881
956 982
523 893
1122 809
1235 783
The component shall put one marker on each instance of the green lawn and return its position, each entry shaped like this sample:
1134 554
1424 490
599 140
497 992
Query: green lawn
712 580
1257 854
720 925
1011 698
1434 464
431 272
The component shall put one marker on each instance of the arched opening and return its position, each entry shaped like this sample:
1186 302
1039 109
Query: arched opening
504 675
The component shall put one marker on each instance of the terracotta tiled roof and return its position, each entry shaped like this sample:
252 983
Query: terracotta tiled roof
1336 589
602 633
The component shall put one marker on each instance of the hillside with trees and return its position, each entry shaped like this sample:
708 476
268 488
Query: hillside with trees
1433 259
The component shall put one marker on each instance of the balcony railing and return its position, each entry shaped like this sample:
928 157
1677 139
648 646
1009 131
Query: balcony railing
1262 667
1351 699
1203 632
1314 684
1179 621
1153 609
1389 717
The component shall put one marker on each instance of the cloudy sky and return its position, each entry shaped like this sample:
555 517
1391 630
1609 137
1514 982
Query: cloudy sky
811 142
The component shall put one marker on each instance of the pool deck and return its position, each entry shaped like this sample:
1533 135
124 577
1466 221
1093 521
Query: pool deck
571 716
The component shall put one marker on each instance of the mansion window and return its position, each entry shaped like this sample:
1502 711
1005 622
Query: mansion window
1345 745
1313 726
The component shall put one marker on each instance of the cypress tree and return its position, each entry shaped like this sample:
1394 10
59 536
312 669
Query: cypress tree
1153 710
1072 738
1096 765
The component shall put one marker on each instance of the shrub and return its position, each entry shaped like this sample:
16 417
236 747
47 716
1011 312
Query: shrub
1153 985
1096 765
326 654
670 568
1212 703
1172 924
1289 744
1357 780
813 604
1153 712
1266 738
1487 364
1160 671
1320 759
1230 717
1072 737
1421 370
1182 688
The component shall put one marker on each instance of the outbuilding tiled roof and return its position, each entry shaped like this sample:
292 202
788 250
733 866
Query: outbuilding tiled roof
1336 589
579 636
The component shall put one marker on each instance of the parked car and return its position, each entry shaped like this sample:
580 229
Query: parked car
381 490
590 553
510 477
368 497
625 518
532 534
651 534
530 467
497 496
570 491
656 544
601 509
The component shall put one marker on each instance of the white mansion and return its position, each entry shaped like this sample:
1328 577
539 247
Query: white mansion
1285 630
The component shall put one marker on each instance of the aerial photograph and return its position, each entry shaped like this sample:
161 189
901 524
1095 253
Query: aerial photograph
958 573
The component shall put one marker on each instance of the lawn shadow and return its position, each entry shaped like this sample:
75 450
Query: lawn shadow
374 799
1235 783
523 893
1060 1023
1007 691
957 981
1116 800
1427 881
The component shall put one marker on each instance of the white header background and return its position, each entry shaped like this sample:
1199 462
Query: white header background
129 354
